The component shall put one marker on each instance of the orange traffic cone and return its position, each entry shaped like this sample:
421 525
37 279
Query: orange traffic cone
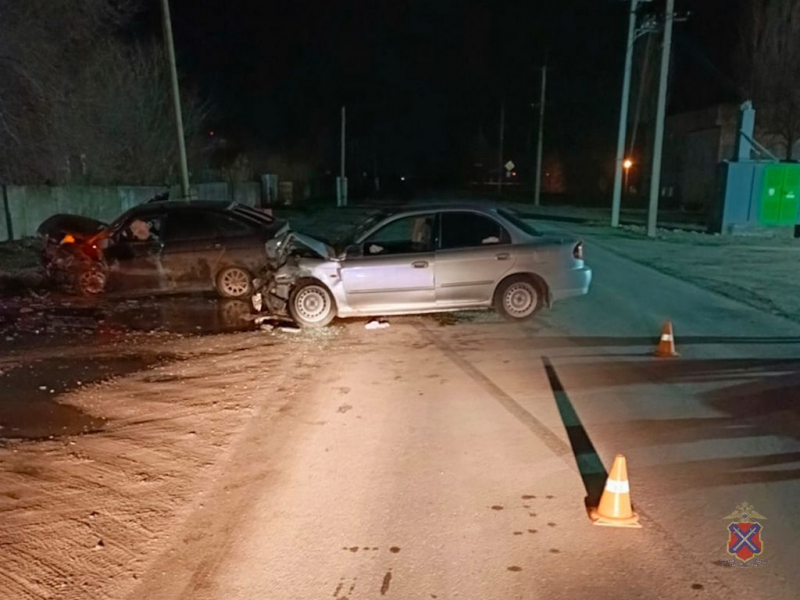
615 504
666 346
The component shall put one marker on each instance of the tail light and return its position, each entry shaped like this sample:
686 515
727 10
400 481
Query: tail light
577 252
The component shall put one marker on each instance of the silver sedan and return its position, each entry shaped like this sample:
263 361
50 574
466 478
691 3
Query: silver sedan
421 260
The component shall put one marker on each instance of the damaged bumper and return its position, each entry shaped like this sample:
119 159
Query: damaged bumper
290 257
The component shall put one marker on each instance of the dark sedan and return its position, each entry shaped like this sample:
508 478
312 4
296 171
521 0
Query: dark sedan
163 246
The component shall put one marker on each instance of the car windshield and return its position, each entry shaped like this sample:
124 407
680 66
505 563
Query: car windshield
515 219
354 233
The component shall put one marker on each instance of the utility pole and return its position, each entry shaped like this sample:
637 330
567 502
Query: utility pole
616 202
500 149
655 178
538 192
341 188
176 98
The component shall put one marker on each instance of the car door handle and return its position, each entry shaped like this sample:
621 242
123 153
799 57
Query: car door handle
420 264
503 256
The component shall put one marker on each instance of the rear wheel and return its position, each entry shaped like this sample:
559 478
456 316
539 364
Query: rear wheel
518 298
234 282
311 305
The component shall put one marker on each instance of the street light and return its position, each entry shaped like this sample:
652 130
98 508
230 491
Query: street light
626 164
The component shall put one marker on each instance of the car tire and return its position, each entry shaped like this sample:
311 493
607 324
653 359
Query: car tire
311 304
234 282
91 280
518 298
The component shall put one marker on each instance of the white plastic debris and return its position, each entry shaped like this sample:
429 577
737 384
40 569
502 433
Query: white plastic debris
290 329
376 324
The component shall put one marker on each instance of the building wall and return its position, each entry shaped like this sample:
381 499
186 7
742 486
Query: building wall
694 145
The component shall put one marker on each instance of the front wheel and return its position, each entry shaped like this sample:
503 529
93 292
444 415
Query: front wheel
518 298
311 305
91 280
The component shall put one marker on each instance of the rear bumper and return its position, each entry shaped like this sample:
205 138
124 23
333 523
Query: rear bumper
574 282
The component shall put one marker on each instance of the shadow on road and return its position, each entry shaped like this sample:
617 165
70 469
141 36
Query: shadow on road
590 466
610 341
754 410
615 373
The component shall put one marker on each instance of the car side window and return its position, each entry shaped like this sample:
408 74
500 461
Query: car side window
189 225
143 228
471 230
406 235
232 227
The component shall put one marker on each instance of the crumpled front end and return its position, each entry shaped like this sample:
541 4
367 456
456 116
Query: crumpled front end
292 257
72 261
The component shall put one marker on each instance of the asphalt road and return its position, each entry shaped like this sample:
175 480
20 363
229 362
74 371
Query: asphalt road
438 459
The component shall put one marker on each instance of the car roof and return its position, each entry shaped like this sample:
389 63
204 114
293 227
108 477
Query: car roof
169 204
484 207
206 205
232 208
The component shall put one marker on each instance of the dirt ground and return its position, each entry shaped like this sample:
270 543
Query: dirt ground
118 443
107 445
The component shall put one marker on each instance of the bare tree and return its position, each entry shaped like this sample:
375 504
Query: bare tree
120 116
77 102
769 60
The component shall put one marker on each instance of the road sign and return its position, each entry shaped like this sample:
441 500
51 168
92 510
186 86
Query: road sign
510 166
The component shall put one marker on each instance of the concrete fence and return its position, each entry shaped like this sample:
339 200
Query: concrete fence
23 208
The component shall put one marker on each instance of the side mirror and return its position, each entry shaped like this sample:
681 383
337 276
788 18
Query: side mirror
354 251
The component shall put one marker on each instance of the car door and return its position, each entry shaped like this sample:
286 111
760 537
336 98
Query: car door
474 254
193 248
394 271
134 252
242 242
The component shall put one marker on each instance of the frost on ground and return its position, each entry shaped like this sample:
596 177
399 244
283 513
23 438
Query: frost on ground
761 271
82 516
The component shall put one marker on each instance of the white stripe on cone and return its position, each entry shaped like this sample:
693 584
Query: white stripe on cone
618 487
665 337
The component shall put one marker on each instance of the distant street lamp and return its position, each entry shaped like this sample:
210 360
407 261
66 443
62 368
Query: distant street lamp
626 164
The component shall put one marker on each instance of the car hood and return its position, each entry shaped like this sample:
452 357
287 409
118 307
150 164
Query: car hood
280 247
57 226
324 250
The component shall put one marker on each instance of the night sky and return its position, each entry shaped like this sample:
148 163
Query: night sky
423 79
